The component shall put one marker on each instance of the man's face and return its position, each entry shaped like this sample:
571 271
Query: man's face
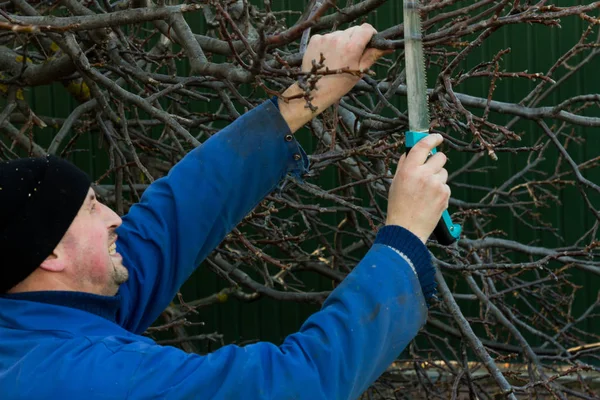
89 252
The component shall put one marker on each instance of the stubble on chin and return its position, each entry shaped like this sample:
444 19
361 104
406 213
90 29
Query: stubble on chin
120 274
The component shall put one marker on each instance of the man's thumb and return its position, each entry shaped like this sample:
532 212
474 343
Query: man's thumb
370 56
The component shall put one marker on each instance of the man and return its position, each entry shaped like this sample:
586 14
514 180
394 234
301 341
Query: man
80 285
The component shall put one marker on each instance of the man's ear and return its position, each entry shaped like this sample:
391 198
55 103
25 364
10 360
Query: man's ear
53 263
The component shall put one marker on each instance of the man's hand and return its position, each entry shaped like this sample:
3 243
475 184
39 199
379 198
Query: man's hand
419 194
341 49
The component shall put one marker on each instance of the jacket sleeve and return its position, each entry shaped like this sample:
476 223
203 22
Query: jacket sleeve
182 217
338 353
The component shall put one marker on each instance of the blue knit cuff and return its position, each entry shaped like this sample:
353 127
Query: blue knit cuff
275 100
405 242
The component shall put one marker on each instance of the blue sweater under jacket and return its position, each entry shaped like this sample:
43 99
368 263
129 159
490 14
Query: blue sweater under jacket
60 345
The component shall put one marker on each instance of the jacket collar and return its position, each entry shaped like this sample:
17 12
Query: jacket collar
71 313
103 306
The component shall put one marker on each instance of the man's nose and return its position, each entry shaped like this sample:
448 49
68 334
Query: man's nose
113 219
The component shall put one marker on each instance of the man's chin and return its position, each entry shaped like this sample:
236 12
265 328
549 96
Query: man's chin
120 274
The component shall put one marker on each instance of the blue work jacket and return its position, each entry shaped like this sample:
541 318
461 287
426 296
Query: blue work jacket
66 345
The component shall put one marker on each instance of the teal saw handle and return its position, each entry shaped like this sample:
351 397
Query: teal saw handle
446 232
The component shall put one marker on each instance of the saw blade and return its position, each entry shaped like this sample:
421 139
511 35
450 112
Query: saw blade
416 78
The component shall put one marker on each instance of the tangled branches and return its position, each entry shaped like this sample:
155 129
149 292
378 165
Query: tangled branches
149 85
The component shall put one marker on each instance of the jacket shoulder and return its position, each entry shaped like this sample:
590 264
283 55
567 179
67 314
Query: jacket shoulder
80 367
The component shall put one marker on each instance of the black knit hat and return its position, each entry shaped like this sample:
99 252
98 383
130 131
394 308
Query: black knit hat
39 198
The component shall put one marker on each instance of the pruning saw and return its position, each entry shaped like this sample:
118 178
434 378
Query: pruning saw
446 232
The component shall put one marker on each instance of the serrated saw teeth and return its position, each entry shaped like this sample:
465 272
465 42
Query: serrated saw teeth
416 79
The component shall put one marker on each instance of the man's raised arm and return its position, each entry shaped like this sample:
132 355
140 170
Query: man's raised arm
182 217
338 352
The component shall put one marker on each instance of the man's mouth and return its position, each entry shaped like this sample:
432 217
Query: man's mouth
112 249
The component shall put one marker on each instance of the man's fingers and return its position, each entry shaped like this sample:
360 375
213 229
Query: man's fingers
350 32
436 162
442 176
418 154
362 35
